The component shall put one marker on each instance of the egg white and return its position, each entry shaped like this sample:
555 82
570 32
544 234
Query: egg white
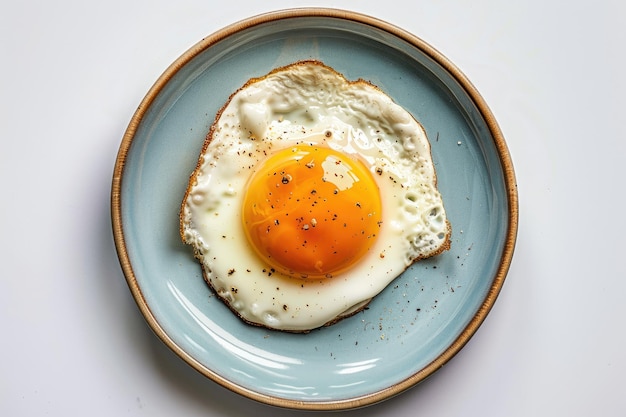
306 103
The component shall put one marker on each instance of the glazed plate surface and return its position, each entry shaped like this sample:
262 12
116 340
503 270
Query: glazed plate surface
420 320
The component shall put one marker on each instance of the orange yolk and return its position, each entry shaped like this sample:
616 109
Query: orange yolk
311 212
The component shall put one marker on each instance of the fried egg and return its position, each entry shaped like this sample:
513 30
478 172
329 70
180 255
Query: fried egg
311 194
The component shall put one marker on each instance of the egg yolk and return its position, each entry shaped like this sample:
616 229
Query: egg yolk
311 212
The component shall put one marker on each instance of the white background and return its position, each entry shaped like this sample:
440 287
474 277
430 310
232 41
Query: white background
73 340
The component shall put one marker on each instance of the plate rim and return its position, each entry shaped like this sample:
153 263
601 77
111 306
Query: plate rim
500 146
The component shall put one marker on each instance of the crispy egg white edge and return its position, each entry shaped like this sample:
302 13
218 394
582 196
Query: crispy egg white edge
298 104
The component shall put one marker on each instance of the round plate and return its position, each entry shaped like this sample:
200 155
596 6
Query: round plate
421 320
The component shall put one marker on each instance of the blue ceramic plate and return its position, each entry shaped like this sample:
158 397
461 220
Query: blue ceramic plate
417 323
